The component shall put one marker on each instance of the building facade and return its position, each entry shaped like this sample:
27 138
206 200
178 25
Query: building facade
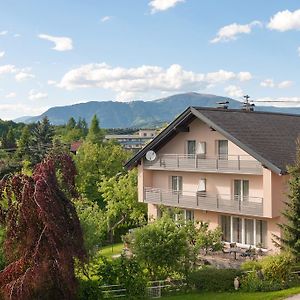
225 167
133 141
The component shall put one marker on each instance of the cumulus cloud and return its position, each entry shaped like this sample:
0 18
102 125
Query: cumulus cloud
35 95
22 76
2 53
161 5
285 84
7 69
3 32
232 31
126 81
271 84
234 91
106 18
285 20
244 76
51 82
11 95
268 83
61 43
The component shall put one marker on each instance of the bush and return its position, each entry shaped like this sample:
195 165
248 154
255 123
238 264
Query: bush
89 290
269 274
211 279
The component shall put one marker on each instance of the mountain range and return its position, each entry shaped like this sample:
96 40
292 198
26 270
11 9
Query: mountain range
140 114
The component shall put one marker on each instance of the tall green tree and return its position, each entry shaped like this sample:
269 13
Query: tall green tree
94 162
25 144
121 201
8 139
290 228
71 123
42 137
95 134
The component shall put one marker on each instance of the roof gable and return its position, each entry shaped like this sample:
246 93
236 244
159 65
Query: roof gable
268 137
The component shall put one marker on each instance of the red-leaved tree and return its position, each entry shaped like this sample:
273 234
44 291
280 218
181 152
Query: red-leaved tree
43 233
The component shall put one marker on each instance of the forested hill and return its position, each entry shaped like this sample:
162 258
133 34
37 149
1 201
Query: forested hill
138 113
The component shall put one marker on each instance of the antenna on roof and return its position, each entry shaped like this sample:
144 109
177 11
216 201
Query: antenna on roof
223 104
247 105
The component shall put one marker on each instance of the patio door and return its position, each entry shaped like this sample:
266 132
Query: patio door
241 190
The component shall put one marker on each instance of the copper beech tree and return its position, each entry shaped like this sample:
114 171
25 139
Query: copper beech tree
43 233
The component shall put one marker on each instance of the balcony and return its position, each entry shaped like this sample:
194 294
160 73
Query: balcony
252 206
238 164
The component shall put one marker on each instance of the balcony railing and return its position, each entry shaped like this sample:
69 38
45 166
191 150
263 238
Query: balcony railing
252 206
242 164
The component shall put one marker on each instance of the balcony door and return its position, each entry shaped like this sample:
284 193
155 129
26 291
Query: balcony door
222 149
241 190
191 148
176 183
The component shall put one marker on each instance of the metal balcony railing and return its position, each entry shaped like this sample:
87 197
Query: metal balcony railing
252 206
242 164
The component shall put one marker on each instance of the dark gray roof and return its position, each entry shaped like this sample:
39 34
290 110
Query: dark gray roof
269 137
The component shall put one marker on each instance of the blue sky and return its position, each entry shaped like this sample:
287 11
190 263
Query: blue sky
62 52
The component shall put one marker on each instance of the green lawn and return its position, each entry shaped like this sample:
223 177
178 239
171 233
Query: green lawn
237 296
107 250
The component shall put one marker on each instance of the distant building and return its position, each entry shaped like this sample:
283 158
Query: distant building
133 141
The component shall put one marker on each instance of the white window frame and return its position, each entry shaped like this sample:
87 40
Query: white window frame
243 244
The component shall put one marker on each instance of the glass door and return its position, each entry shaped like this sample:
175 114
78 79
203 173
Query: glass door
241 190
176 183
223 149
191 148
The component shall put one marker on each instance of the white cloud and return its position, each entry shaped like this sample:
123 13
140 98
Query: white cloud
268 83
161 5
7 69
271 84
10 111
231 32
22 76
143 79
285 84
61 43
2 53
3 32
280 102
234 91
51 82
285 20
11 95
106 18
244 76
35 95
16 35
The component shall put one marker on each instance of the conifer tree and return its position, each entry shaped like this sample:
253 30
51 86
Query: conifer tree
71 123
95 134
290 239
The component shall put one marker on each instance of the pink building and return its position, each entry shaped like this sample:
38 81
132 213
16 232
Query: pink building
224 166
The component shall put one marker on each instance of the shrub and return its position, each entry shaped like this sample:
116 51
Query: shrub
269 274
211 279
89 290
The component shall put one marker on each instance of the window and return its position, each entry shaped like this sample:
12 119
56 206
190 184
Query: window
176 183
202 185
261 233
189 215
244 230
222 149
241 189
226 227
201 149
191 147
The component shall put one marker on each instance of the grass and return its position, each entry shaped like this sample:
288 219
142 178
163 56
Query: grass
109 251
237 295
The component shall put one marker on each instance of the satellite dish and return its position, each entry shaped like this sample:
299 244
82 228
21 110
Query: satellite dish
150 155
